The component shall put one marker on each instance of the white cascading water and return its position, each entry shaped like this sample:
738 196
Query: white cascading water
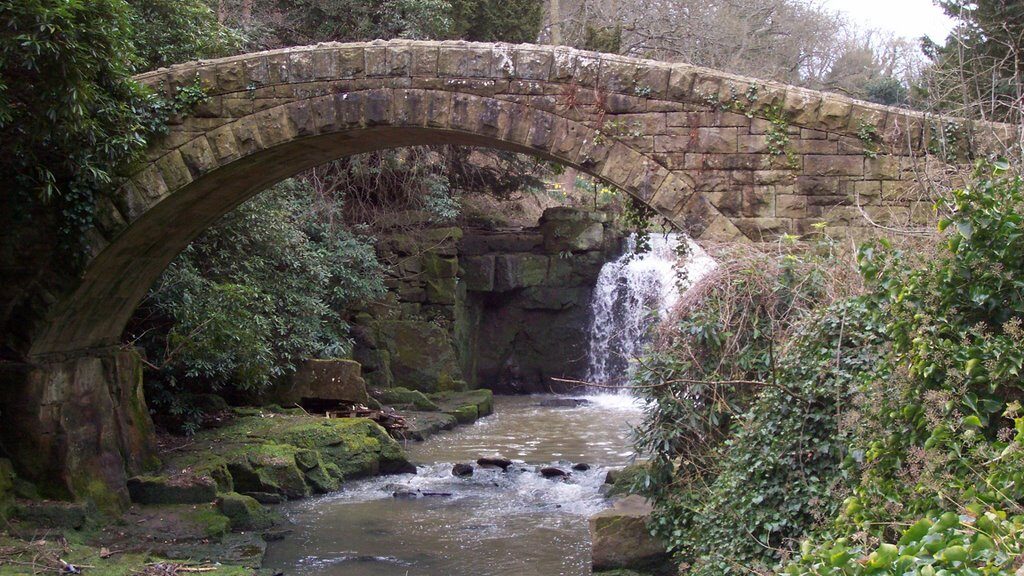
631 294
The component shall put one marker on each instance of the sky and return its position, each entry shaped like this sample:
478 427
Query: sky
908 18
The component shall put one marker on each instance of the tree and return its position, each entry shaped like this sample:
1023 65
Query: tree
979 72
166 32
68 108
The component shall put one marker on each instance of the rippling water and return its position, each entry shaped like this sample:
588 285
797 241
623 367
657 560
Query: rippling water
492 524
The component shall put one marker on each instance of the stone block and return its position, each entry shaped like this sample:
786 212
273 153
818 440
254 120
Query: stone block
421 353
335 380
621 539
173 489
513 271
441 290
478 272
571 232
834 165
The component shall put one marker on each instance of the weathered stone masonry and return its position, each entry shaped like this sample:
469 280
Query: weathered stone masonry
723 157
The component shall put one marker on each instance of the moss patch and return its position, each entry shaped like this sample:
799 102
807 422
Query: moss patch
43 557
403 397
288 453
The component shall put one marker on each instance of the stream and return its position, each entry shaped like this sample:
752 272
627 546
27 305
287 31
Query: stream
494 523
503 523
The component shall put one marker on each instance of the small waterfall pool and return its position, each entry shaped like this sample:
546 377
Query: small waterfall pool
502 523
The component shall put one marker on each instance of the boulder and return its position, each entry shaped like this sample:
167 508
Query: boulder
244 512
552 472
497 462
581 467
173 489
621 539
336 380
462 470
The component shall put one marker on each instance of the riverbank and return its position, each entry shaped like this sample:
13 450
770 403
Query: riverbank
210 506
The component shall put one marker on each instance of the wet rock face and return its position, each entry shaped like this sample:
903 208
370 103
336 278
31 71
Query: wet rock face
530 299
506 308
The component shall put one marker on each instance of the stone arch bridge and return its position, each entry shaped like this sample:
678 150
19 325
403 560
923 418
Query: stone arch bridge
725 158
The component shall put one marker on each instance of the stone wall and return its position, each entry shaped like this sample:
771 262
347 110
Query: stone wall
529 293
502 309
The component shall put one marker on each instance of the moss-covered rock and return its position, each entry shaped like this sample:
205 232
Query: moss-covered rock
268 467
209 520
438 266
621 481
622 540
465 414
422 425
403 397
173 489
482 400
244 512
290 455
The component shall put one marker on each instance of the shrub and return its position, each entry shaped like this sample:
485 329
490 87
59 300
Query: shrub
256 293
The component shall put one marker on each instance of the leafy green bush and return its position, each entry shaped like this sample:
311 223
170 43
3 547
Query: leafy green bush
746 384
890 438
259 291
940 444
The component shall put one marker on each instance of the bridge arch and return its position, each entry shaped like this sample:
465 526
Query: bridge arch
720 156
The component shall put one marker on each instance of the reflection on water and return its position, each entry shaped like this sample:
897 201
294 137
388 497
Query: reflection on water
491 524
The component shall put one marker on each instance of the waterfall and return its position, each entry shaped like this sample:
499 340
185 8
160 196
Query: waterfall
631 294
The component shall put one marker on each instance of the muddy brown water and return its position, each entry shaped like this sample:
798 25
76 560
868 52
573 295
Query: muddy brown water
492 524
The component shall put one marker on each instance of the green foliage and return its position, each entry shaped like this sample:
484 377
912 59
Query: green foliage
71 118
514 21
895 414
742 431
166 32
68 109
888 91
272 24
869 137
259 291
